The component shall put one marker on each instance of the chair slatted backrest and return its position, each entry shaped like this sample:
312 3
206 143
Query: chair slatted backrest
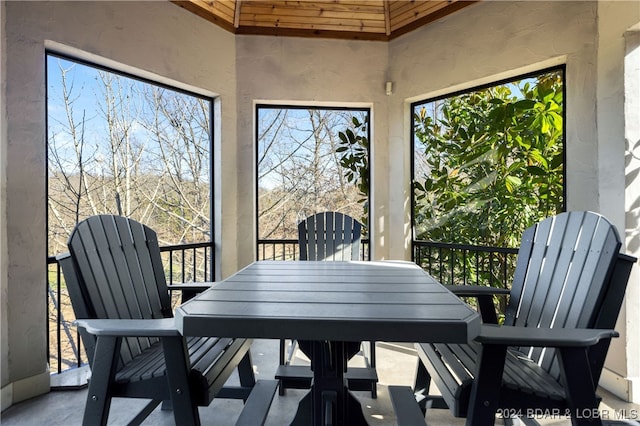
329 236
563 269
119 273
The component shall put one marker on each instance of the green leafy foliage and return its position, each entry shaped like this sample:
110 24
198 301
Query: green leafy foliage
354 159
490 162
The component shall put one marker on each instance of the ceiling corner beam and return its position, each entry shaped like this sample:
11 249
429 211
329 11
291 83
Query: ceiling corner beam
387 18
453 6
236 15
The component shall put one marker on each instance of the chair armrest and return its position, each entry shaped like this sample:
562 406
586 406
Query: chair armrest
62 256
197 287
542 337
190 290
484 296
162 327
476 290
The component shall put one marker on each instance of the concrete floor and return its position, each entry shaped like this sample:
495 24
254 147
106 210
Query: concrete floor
395 366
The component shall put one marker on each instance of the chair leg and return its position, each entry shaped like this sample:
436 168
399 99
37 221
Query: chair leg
579 386
421 385
291 352
423 379
281 351
281 389
485 392
185 410
245 371
144 413
103 370
286 358
372 364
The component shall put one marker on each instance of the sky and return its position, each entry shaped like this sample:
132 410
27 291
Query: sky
85 88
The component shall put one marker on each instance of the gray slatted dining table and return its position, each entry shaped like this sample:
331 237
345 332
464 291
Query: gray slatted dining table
330 303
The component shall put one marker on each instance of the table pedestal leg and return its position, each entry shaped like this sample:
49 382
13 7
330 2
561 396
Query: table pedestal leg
329 402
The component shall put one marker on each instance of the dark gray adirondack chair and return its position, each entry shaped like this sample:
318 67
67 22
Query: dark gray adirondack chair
548 355
330 236
116 282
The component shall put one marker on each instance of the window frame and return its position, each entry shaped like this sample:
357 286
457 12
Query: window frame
306 106
146 80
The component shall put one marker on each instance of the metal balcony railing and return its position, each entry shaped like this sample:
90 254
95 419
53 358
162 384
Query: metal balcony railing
465 264
288 249
183 263
449 263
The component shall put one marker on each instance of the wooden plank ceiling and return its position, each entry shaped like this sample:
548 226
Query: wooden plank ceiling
347 19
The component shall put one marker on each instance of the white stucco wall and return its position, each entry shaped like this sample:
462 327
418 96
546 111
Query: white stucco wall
5 396
162 41
154 39
630 322
615 121
617 95
25 207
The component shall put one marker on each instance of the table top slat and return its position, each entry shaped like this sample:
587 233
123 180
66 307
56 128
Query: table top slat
392 301
313 296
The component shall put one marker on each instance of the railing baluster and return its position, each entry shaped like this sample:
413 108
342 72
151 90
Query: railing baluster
465 280
491 257
182 268
193 266
440 263
170 267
